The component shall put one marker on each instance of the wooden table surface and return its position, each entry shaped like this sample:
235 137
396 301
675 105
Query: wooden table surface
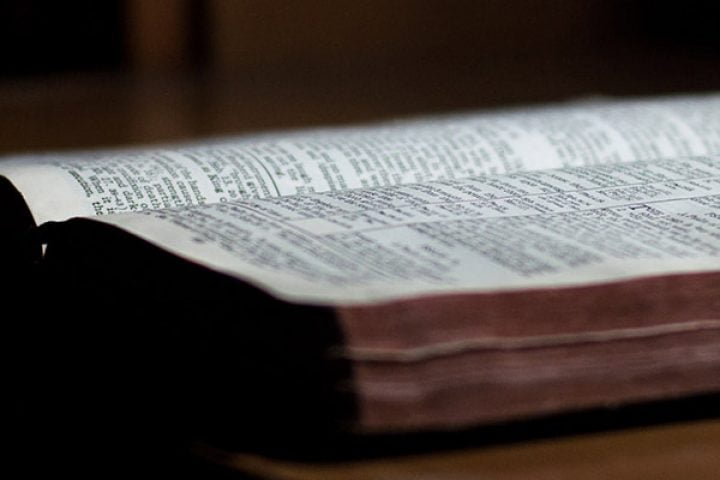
683 451
88 111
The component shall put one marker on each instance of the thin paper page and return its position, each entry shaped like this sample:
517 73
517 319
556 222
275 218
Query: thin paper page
60 187
536 229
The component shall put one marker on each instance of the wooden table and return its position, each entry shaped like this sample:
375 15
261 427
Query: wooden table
684 451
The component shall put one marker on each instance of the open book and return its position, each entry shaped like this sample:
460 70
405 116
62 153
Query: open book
457 270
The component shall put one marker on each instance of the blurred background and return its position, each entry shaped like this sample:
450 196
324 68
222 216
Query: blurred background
87 73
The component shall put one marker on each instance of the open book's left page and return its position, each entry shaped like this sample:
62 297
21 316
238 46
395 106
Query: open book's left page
60 186
545 229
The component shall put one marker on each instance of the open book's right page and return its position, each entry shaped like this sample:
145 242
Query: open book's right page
61 186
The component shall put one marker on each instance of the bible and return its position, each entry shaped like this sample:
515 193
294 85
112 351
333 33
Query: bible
419 275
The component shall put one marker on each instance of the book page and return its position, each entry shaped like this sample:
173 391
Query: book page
413 151
549 228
